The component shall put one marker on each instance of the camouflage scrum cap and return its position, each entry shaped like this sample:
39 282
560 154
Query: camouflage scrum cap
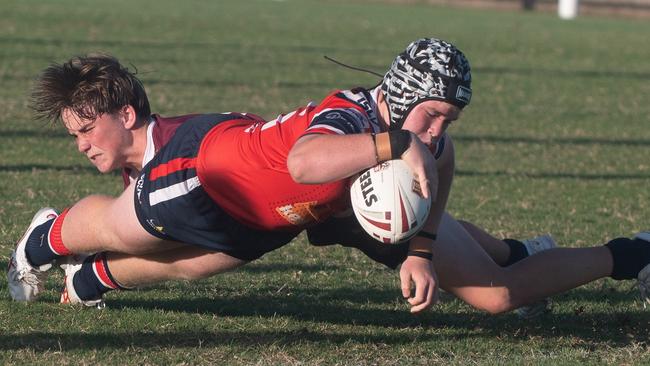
429 69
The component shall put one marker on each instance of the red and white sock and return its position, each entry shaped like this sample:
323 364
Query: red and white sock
45 244
94 278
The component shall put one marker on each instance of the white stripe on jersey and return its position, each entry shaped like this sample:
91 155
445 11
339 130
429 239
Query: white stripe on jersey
282 118
149 150
310 106
173 191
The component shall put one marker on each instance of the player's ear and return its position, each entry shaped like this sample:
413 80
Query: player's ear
129 117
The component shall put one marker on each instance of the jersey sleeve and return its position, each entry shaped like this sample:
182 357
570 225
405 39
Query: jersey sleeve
338 115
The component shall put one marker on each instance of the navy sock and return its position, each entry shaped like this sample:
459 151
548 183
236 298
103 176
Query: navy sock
517 251
629 257
37 248
94 279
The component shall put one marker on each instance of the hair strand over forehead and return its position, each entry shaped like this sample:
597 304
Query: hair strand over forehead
88 86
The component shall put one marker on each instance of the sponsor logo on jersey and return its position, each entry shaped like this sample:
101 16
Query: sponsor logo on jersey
302 213
138 187
333 115
155 226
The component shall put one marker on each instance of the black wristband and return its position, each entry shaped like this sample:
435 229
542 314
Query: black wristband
427 235
416 253
400 140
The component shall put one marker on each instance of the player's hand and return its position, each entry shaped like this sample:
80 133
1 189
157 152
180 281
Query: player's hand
423 164
420 272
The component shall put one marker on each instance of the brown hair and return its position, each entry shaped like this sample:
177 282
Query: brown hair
89 86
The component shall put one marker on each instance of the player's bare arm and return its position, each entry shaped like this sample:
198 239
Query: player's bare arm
318 159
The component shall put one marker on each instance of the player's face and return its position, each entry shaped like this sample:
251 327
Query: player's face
104 140
430 119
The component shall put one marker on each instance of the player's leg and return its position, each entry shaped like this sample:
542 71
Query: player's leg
347 232
88 279
509 251
99 223
184 263
468 272
497 249
96 223
506 252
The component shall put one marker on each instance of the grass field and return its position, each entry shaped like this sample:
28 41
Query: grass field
556 140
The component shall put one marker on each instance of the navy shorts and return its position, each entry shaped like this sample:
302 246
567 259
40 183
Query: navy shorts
347 232
171 204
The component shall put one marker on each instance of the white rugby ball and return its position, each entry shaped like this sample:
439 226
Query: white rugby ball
388 202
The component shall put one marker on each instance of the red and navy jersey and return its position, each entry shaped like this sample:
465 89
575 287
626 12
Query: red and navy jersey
159 131
243 165
242 162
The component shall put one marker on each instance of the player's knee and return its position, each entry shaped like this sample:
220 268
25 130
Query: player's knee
192 273
499 306
204 266
116 240
497 302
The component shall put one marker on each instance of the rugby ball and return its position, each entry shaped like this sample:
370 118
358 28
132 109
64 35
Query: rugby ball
388 202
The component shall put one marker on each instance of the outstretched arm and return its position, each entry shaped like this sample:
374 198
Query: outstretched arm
417 270
316 159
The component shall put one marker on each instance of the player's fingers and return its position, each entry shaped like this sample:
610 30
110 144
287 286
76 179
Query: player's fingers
419 308
406 286
421 289
420 161
423 181
432 296
425 304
